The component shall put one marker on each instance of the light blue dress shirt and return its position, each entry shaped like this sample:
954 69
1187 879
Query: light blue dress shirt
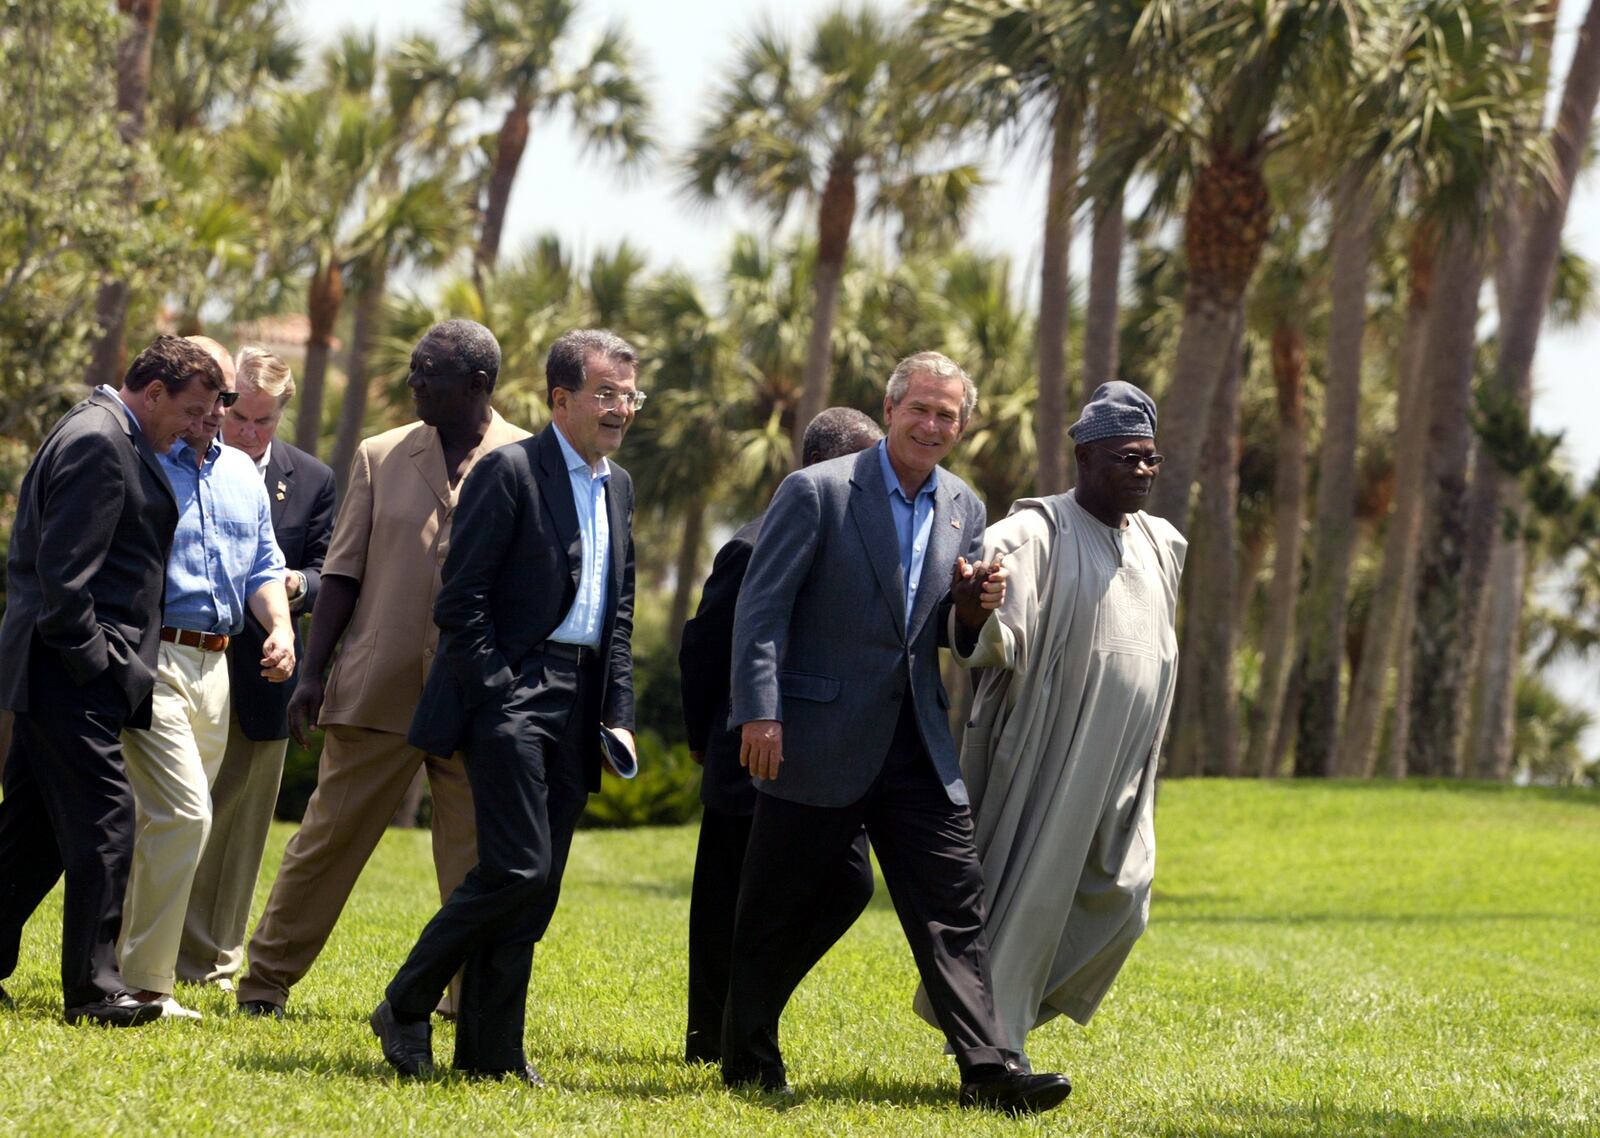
913 523
224 549
588 611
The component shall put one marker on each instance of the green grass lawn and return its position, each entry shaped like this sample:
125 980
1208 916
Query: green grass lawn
1322 959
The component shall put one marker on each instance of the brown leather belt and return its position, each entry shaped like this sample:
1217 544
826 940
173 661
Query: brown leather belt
205 641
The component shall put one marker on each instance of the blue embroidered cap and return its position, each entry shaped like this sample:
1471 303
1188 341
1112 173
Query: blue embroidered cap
1118 410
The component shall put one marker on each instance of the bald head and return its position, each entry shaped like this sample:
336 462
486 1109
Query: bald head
217 352
209 426
836 432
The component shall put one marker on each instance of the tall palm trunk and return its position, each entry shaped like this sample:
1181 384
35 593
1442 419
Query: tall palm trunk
1495 492
1216 633
509 145
326 297
836 214
1101 317
1438 680
367 329
1055 298
1326 604
1501 655
1288 499
688 573
133 100
1225 227
1387 615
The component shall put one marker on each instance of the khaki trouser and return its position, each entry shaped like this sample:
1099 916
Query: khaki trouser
170 767
361 780
243 796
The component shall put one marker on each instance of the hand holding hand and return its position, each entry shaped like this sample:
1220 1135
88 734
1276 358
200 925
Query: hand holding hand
761 747
977 590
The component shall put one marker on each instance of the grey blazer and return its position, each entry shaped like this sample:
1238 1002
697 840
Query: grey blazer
820 639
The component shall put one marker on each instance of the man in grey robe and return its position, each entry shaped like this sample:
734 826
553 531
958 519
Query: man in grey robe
1078 666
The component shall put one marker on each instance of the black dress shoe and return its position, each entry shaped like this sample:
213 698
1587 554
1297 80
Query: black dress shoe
1016 1090
407 1046
261 1009
121 1010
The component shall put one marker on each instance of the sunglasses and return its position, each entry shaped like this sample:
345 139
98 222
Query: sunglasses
227 398
1133 460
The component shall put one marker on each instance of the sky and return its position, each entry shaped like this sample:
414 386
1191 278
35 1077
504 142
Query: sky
687 44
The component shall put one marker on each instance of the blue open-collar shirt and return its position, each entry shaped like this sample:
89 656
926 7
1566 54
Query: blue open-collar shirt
913 523
587 614
224 549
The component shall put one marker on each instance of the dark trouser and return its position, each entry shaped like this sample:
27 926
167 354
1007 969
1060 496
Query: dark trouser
67 808
924 844
524 758
718 865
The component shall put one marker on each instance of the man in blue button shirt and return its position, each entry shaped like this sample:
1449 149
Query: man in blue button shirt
224 557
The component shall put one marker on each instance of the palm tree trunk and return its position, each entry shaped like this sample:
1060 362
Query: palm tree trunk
1215 632
1495 491
1326 604
1438 681
368 327
1225 227
1289 495
1055 298
836 214
1101 318
1382 639
133 99
688 574
509 146
1502 651
326 295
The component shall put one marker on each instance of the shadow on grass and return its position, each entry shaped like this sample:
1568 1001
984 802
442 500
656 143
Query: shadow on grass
1256 1120
289 1062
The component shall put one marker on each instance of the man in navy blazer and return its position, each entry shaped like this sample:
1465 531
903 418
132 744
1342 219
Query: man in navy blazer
300 492
845 724
536 620
85 573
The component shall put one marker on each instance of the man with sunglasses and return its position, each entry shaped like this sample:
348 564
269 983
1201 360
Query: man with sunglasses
224 559
533 683
1078 668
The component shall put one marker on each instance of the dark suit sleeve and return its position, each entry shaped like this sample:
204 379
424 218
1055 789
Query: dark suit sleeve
79 509
977 523
778 567
706 654
617 710
485 523
319 532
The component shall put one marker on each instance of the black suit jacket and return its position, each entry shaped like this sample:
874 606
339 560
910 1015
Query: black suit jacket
88 560
508 581
704 659
301 492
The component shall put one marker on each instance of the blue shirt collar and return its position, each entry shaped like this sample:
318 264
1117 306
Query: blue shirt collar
891 480
181 451
575 462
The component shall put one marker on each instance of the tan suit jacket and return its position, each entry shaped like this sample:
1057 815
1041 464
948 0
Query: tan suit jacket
396 515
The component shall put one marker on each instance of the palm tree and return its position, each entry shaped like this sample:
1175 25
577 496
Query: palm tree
827 124
305 159
133 97
213 56
1534 274
518 44
415 214
1240 62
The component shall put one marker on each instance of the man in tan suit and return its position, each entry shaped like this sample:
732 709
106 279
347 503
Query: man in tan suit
378 587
